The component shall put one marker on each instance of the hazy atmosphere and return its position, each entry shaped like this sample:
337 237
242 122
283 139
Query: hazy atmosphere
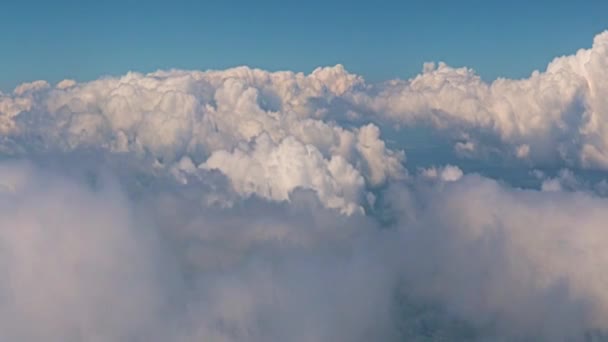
328 171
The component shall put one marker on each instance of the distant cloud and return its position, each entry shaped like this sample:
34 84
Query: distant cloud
558 114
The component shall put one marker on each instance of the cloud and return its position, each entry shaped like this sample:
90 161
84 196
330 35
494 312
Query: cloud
463 257
517 263
273 171
552 117
204 117
555 115
448 173
84 262
75 266
246 205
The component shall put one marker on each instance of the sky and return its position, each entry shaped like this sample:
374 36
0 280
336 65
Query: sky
152 191
382 40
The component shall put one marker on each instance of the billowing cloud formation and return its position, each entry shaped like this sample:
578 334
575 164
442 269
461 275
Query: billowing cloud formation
555 115
227 120
245 205
558 114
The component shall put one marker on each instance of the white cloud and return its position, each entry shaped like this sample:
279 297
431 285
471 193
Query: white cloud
88 263
558 114
518 263
465 254
196 115
448 173
246 205
274 170
74 265
553 115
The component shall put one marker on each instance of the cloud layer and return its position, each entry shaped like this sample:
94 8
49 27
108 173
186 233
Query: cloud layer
246 205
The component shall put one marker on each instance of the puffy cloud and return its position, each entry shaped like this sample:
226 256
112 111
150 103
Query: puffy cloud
381 164
246 205
273 171
31 87
552 117
555 115
448 173
198 115
65 84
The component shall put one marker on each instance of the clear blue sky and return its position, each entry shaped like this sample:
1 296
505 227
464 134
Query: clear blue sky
379 39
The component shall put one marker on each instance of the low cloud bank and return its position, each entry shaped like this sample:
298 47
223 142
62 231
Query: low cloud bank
463 258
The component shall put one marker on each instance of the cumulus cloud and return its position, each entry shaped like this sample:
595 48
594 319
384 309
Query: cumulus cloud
273 171
206 116
448 173
246 205
555 115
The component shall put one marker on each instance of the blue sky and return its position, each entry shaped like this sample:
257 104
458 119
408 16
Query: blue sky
382 39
